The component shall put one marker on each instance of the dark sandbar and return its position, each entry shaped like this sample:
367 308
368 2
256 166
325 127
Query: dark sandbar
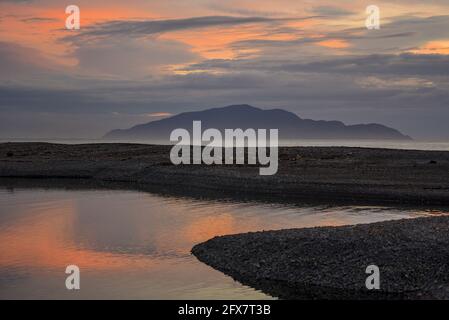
330 262
312 174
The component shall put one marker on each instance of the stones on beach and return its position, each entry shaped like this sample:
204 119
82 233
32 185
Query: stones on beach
330 262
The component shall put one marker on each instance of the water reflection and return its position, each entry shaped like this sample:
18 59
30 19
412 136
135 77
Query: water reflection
136 245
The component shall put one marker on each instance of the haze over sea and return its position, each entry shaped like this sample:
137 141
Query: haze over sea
389 144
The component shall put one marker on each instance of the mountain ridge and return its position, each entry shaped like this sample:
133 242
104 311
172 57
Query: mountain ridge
245 116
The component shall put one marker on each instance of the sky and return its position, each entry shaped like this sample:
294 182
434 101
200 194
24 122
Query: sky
136 61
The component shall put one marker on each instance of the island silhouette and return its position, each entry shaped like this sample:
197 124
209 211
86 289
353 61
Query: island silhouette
244 116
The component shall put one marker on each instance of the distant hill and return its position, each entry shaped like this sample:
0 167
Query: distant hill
244 116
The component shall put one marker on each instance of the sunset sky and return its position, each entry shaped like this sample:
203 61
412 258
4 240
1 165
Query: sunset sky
140 60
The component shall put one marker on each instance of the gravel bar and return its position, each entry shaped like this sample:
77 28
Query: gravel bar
330 262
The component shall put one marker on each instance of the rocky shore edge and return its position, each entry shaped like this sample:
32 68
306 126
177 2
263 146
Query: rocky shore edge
330 262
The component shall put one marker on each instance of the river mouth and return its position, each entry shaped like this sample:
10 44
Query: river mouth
136 245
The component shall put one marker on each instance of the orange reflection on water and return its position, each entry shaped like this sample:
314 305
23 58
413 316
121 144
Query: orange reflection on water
49 236
205 228
45 240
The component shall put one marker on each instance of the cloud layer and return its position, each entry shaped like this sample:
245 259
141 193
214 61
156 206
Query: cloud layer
317 60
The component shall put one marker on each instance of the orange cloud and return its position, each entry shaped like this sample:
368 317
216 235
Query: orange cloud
41 27
433 47
159 114
217 42
334 43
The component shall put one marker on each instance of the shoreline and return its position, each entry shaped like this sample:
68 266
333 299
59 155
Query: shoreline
330 262
310 263
343 175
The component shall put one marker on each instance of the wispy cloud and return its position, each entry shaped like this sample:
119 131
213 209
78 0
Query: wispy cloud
16 1
149 27
331 11
39 19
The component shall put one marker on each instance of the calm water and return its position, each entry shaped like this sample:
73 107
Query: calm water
389 144
136 245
